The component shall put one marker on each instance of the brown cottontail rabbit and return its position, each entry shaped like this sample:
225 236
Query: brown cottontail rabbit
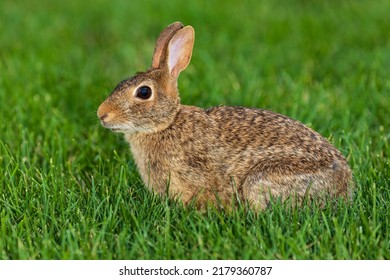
221 153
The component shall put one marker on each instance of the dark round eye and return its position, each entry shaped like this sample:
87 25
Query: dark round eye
144 92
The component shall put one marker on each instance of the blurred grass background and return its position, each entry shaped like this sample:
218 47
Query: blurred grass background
69 189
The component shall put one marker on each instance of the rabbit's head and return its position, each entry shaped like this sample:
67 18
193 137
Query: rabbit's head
149 101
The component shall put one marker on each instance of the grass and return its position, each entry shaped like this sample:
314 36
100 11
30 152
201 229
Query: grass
70 190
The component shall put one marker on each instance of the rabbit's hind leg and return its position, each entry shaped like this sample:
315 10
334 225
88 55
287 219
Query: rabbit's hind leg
259 188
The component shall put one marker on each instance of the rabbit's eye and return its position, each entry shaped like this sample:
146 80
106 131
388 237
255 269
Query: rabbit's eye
144 92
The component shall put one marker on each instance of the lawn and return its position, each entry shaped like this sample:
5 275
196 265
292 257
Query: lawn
69 189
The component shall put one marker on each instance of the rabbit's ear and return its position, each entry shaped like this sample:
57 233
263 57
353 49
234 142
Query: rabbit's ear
162 42
180 50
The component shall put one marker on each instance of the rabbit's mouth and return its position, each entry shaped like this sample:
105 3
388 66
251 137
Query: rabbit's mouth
119 128
112 127
127 128
116 129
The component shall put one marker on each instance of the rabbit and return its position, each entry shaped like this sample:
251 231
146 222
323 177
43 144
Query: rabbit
221 155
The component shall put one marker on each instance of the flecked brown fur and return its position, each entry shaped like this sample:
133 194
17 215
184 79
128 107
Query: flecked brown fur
221 153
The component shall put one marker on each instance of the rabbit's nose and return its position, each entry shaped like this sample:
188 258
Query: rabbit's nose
103 117
103 112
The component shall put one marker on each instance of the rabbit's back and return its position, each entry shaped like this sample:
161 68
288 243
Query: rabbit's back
263 133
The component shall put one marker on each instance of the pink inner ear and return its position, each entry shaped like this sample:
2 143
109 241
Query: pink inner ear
175 53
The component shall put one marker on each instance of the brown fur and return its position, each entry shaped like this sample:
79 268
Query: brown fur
221 153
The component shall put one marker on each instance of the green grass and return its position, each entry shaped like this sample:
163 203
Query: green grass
70 190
